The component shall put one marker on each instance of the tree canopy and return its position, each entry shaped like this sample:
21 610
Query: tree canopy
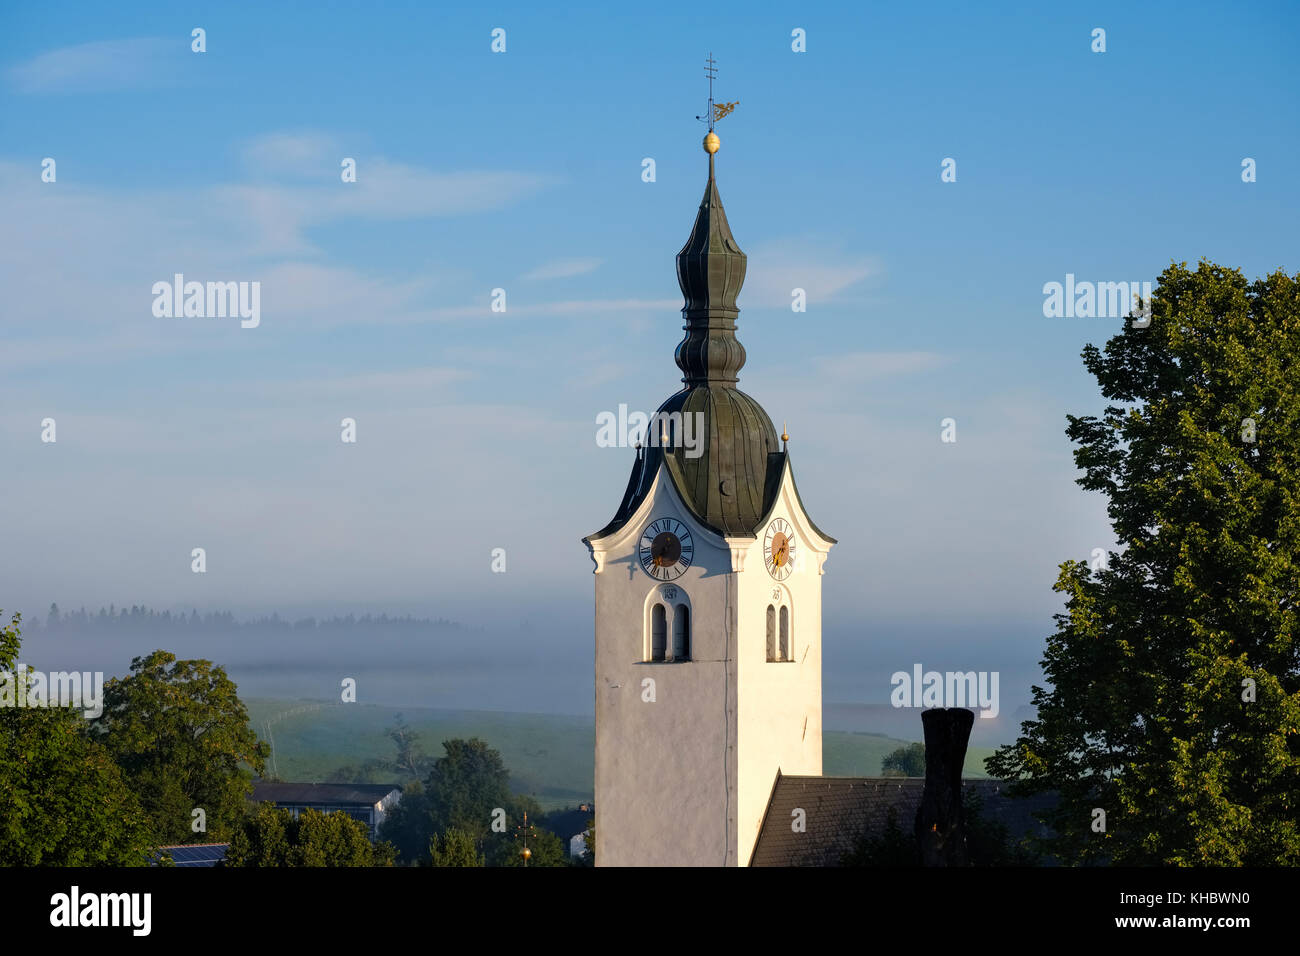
544 848
468 790
906 761
271 836
1171 726
454 848
63 801
180 734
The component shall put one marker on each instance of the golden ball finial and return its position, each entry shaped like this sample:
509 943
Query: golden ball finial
785 436
711 142
527 854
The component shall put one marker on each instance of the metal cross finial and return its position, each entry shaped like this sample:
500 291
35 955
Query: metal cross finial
526 830
716 111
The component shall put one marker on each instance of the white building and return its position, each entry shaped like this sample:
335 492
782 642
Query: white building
708 602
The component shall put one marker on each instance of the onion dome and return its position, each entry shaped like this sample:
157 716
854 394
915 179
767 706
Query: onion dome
722 451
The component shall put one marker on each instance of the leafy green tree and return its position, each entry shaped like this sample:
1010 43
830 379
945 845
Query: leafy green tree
335 839
589 843
1174 704
11 642
906 761
544 847
263 839
464 790
502 848
988 842
454 848
180 734
410 760
466 785
270 836
409 825
63 801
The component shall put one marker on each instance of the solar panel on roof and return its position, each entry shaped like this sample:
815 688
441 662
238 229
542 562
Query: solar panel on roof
196 855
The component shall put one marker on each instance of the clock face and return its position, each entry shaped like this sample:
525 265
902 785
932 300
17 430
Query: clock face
778 549
666 549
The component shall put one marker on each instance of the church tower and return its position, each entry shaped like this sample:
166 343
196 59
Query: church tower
708 600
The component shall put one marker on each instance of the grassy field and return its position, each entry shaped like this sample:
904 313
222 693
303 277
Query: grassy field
550 756
859 755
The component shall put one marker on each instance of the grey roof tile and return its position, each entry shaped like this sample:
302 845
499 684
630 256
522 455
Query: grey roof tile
839 810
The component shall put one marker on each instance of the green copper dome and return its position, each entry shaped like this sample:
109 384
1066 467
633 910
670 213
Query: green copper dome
726 486
710 271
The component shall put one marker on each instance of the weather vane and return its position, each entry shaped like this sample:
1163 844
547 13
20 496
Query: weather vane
716 111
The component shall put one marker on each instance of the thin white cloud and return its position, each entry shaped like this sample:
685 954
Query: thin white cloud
564 268
777 268
428 379
332 295
869 366
303 154
384 191
620 308
103 65
91 350
77 259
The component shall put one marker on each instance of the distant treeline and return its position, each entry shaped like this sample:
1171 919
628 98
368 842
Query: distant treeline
138 619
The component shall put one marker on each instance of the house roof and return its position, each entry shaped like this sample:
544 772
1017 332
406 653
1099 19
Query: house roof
326 794
192 854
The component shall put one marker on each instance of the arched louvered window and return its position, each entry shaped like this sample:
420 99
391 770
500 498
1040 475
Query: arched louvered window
785 634
682 633
771 633
658 633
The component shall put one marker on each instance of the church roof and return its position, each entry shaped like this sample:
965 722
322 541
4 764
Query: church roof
733 482
839 810
730 479
710 272
646 467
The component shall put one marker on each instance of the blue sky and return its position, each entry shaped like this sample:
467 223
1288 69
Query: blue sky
522 171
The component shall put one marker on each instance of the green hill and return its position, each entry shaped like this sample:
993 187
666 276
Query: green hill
550 756
860 754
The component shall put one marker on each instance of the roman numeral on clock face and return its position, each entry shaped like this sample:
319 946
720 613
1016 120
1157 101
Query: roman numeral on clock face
666 549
